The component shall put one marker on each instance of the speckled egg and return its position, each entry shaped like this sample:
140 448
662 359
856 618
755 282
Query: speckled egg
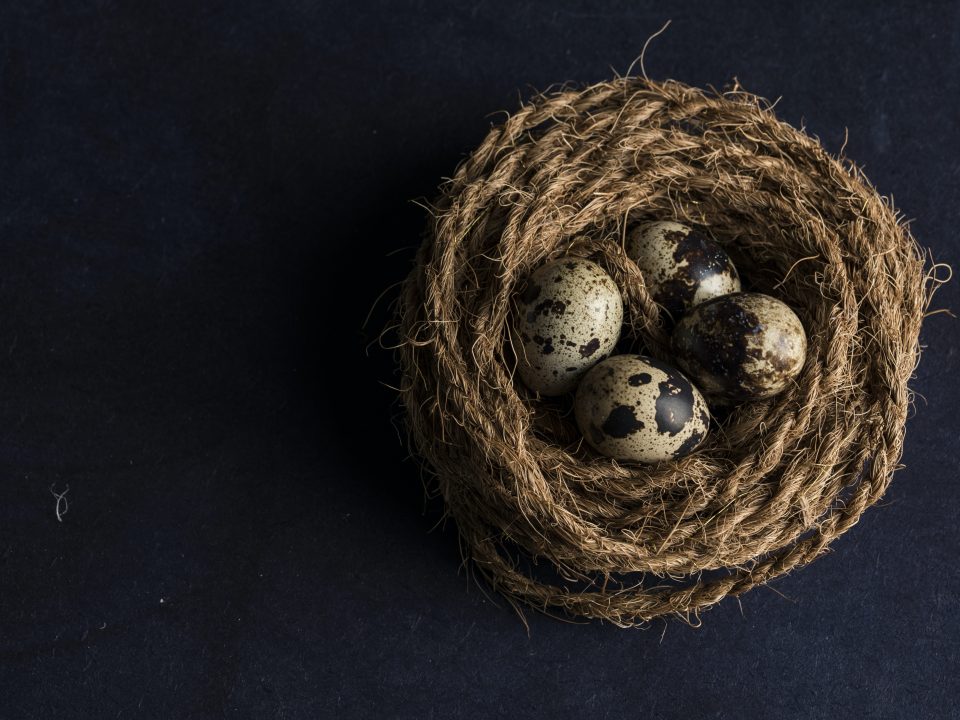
568 319
636 408
741 346
681 266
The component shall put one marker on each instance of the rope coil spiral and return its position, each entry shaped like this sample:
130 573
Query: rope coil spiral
778 479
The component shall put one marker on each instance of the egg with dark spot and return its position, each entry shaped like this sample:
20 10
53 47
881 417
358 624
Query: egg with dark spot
636 408
741 346
682 267
568 319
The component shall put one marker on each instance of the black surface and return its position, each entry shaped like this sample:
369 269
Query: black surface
178 187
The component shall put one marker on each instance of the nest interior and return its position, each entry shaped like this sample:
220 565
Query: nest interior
777 480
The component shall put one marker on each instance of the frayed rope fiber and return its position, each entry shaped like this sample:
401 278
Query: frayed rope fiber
777 480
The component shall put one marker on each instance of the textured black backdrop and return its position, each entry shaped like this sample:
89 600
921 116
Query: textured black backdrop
178 188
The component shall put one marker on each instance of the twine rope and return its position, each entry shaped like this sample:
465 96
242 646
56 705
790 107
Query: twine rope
777 480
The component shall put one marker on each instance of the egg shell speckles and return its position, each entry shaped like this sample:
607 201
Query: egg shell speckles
568 319
682 267
636 408
741 346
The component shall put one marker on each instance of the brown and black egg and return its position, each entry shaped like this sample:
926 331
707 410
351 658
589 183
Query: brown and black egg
682 267
741 346
568 319
638 409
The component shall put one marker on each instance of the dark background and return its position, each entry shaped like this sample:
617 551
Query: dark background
179 187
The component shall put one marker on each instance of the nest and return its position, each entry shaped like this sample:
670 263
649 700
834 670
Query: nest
546 520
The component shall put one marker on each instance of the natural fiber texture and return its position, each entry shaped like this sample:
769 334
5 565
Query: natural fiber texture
777 480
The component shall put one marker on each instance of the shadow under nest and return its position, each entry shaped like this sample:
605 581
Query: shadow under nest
777 480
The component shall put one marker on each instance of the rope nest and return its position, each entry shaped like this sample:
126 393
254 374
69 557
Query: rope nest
777 480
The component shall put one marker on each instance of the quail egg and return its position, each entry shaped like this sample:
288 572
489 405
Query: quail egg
569 318
741 346
636 408
681 266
